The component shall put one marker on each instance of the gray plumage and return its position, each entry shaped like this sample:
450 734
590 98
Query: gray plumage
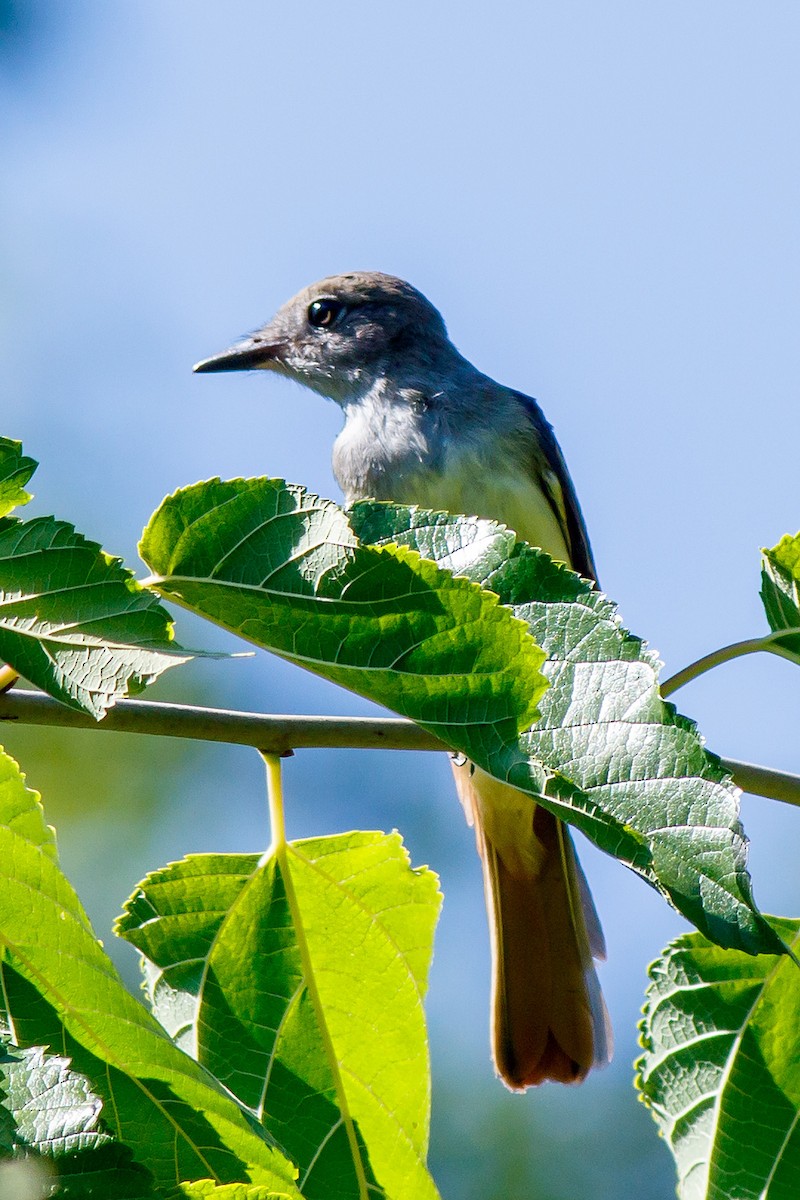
423 426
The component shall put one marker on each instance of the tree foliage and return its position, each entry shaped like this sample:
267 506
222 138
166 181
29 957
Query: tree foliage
280 1050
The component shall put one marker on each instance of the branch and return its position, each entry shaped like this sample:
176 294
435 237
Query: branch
284 734
764 781
271 734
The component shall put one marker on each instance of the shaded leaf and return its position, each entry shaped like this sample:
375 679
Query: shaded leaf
721 1068
60 990
323 1033
15 471
74 621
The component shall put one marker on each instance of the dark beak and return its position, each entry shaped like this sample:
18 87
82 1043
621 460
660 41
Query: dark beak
248 355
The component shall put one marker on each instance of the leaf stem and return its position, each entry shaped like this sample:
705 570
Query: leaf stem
275 798
8 677
282 735
770 643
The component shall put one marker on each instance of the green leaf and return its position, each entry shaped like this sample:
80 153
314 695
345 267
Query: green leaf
322 1032
59 989
630 771
15 471
56 1114
21 810
74 621
721 1068
607 754
206 1189
780 592
282 568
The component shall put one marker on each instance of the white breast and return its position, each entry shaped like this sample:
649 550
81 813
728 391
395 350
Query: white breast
398 451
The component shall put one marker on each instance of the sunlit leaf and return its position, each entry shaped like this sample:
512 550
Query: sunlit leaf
15 471
59 989
721 1068
74 621
299 980
620 752
780 592
206 1189
287 570
282 568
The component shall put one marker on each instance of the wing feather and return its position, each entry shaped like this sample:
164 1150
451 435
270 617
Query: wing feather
551 468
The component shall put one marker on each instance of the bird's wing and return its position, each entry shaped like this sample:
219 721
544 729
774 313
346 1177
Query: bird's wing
552 470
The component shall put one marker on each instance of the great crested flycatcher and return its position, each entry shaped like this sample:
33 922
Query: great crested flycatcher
423 426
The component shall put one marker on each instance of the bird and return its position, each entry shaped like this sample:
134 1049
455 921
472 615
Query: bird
423 426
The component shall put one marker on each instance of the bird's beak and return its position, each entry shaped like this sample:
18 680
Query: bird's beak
251 354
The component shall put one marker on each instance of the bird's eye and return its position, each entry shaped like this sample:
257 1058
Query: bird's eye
324 313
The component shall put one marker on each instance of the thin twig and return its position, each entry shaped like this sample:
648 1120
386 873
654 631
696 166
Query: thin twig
770 644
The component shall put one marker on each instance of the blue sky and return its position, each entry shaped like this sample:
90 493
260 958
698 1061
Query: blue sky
602 199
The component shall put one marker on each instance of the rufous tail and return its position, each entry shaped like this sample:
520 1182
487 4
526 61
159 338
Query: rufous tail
549 1020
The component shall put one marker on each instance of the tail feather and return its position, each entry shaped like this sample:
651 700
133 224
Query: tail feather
549 1019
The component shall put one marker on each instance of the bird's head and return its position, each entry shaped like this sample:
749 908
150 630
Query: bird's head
342 334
